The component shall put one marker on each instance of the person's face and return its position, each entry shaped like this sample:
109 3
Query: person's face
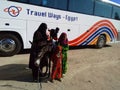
65 36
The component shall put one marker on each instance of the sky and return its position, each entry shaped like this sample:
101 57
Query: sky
116 1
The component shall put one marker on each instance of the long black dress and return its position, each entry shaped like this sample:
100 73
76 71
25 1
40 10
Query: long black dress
39 40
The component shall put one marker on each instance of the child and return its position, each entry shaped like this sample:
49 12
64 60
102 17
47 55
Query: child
63 41
57 64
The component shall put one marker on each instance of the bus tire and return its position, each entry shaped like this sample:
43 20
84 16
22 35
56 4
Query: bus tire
9 44
101 41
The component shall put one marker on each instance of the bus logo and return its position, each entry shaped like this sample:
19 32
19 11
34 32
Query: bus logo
13 11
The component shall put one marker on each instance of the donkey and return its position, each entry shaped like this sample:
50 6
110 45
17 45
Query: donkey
44 56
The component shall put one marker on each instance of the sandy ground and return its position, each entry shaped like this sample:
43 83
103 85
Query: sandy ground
88 69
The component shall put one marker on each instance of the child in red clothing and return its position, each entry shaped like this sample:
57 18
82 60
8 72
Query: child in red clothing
57 64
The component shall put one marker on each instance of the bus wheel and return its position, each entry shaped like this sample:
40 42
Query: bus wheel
9 45
101 41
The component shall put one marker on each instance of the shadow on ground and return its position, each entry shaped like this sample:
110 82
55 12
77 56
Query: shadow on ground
18 72
15 72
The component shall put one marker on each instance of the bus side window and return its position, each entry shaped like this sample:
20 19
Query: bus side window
44 2
58 4
24 1
102 9
116 13
116 16
35 2
81 6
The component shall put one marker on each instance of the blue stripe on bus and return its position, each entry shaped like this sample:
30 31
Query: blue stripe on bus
98 32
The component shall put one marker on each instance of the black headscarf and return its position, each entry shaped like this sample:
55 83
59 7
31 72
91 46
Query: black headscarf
42 29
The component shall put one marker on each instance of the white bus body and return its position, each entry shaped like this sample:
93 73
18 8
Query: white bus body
21 20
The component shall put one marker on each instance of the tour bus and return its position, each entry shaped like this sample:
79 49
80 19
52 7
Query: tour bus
86 22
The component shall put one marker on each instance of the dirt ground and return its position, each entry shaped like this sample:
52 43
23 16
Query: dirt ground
88 69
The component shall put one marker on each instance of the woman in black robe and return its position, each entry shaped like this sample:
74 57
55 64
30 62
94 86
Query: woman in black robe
39 40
